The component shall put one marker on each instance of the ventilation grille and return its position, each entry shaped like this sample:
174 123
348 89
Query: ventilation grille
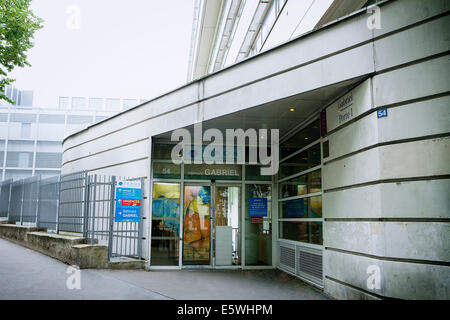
287 258
310 263
305 262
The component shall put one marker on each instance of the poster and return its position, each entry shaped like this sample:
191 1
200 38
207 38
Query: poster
257 207
128 201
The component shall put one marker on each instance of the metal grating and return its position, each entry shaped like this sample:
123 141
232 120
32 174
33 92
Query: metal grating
310 264
304 262
287 258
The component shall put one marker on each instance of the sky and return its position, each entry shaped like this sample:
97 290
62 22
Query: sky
107 48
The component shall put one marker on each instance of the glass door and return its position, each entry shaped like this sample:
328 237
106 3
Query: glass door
197 225
226 232
258 225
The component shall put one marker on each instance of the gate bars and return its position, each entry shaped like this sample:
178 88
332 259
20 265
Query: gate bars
73 203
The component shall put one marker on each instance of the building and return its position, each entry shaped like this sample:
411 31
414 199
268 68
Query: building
30 137
359 206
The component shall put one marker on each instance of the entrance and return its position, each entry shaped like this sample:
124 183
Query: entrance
211 225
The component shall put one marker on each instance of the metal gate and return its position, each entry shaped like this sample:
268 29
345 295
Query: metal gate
73 203
125 237
73 200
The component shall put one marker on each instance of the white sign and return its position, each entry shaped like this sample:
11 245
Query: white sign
349 106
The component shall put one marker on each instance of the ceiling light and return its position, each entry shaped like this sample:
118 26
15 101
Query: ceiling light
291 109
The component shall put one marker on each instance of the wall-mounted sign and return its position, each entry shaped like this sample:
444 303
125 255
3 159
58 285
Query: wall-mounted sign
382 113
128 201
257 207
213 171
349 106
257 220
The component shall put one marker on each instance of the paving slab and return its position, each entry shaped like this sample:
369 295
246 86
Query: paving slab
26 274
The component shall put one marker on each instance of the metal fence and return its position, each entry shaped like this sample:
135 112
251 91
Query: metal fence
74 203
5 193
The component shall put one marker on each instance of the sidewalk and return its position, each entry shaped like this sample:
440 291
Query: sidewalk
25 274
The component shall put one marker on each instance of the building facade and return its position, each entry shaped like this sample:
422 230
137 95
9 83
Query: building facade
30 137
359 206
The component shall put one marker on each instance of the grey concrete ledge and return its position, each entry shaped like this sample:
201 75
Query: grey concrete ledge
69 249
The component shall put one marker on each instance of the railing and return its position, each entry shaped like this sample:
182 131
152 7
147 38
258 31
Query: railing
73 203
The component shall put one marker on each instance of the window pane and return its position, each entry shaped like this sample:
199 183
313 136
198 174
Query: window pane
162 151
304 184
254 173
301 139
95 103
78 103
300 162
301 208
258 231
165 224
166 171
310 232
297 208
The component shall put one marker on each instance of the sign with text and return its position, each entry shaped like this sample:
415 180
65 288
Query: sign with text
349 106
257 207
128 201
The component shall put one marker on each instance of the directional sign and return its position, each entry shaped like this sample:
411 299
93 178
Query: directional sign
128 201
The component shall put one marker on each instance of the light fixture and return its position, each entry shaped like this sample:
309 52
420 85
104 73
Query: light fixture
291 109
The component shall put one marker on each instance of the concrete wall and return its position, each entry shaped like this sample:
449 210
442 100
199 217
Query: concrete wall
387 180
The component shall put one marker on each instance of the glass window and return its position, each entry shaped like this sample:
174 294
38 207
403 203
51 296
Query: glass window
95 103
301 139
113 104
78 103
63 102
165 224
300 162
253 173
310 232
258 229
162 151
298 186
301 208
166 171
25 131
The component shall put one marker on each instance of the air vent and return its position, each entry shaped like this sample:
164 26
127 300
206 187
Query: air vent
287 258
303 261
310 264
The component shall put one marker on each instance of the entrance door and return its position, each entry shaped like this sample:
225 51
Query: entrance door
211 234
226 232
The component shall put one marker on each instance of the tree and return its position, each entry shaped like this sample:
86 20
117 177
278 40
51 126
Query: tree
17 27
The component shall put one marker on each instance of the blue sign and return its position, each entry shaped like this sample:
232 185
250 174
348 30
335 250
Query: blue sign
257 207
382 113
128 201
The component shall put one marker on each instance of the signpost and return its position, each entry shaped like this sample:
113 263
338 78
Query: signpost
128 201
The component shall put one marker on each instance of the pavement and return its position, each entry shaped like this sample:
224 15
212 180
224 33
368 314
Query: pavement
26 274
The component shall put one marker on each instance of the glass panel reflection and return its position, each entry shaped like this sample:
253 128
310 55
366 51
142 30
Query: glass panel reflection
307 183
196 234
310 232
165 224
258 230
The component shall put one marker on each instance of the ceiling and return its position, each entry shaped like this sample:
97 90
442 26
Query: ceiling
277 114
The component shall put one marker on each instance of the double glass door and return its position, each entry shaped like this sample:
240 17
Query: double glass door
211 219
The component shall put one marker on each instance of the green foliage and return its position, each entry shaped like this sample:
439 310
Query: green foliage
17 27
